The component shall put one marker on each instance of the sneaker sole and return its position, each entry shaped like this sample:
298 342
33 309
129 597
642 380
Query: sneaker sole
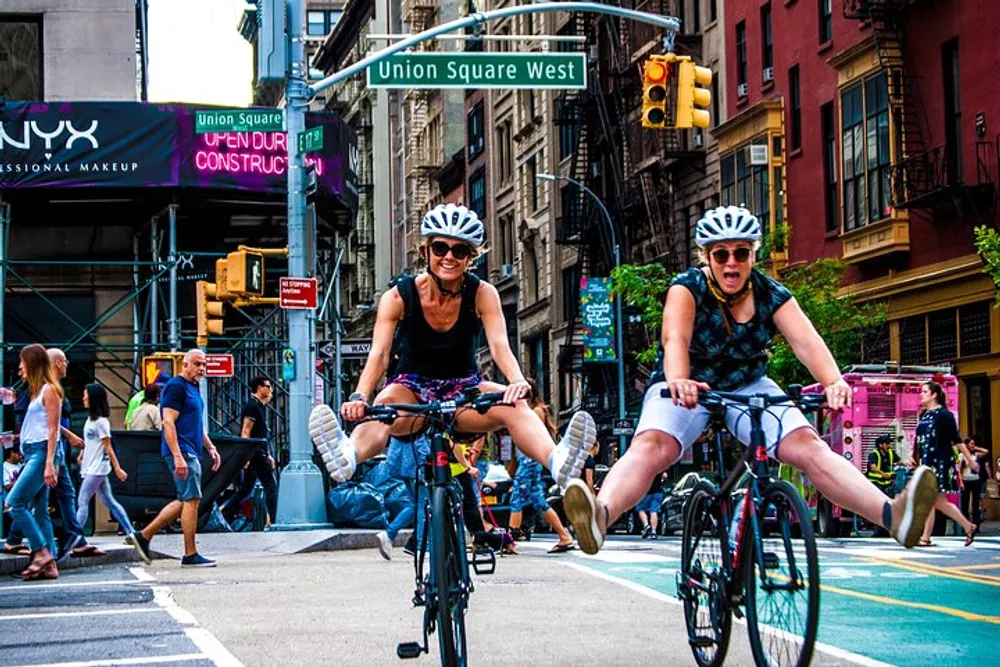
193 565
143 556
326 433
580 434
918 505
581 510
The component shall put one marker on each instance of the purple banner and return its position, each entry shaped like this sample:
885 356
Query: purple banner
127 145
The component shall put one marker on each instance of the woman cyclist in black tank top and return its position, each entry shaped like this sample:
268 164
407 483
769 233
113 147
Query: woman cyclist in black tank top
436 317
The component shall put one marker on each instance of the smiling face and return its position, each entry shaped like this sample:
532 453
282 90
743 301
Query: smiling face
730 262
448 267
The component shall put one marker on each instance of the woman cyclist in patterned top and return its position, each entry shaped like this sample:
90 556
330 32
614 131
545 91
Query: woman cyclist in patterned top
435 319
718 321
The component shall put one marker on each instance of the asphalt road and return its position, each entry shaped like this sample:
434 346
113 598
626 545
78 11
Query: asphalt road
880 605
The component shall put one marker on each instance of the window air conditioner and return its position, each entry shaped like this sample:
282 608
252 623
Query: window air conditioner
506 270
758 155
699 140
742 90
768 74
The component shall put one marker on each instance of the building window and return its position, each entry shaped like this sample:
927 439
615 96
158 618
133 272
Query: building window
825 21
716 113
942 335
571 292
505 152
865 152
952 112
741 56
796 108
531 173
537 349
746 184
477 192
529 263
476 136
507 239
974 321
829 167
913 340
713 11
875 345
321 23
696 17
767 45
528 104
21 58
569 127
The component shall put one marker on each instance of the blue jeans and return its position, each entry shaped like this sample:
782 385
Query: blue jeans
405 517
29 499
65 499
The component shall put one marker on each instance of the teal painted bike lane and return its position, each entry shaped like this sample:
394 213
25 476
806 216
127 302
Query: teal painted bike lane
903 615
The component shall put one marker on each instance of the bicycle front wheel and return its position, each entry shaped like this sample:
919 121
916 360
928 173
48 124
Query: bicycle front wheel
782 582
701 585
449 567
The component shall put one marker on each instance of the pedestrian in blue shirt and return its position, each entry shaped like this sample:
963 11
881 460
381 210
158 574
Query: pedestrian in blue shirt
183 441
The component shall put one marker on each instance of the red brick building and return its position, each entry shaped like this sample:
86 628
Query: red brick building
861 129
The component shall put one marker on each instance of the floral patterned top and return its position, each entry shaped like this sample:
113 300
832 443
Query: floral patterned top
936 437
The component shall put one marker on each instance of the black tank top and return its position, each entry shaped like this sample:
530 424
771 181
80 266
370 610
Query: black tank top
433 354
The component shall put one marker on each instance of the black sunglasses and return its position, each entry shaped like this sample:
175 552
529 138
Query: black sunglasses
459 251
721 255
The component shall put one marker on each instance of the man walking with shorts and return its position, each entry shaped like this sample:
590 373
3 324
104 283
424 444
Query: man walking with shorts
183 440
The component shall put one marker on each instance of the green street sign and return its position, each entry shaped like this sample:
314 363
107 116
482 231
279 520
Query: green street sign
480 70
207 121
311 140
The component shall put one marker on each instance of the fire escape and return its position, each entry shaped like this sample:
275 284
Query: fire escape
924 178
419 163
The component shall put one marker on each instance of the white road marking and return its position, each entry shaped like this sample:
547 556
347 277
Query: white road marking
212 647
141 574
21 588
70 614
111 662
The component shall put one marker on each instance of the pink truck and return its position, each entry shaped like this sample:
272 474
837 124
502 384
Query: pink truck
886 399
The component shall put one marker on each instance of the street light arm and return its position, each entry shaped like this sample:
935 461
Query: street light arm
670 24
592 195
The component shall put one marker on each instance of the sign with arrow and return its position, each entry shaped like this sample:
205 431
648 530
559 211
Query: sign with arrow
298 293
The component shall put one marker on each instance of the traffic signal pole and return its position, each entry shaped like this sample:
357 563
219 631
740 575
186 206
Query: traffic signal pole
301 504
300 494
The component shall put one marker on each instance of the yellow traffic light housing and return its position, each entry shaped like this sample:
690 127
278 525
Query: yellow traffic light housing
209 312
655 77
693 97
244 273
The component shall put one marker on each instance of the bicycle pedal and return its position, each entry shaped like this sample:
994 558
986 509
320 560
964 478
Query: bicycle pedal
484 562
406 650
771 561
701 642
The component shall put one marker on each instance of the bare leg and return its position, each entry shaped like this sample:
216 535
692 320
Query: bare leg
526 429
929 525
952 512
553 520
832 475
167 515
515 520
370 438
654 519
189 524
643 520
650 454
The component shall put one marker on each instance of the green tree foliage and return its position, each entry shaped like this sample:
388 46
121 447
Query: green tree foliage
988 245
839 319
644 289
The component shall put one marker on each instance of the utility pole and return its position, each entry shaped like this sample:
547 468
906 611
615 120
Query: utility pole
300 495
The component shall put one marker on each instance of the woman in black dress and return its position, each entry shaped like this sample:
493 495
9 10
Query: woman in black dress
936 440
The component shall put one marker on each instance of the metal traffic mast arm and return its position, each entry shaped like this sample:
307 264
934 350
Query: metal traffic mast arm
670 24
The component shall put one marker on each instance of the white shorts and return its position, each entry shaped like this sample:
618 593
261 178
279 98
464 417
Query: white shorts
660 414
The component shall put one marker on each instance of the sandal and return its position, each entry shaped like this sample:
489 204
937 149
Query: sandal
924 543
970 534
45 570
19 550
561 548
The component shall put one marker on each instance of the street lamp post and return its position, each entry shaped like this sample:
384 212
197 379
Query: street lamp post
620 347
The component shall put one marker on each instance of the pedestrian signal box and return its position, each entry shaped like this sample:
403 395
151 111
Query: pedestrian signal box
245 273
167 363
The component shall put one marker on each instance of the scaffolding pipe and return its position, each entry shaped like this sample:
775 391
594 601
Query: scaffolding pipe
136 318
338 364
174 331
154 293
4 221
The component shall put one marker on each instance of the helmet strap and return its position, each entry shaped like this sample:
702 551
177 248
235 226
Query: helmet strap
444 290
729 300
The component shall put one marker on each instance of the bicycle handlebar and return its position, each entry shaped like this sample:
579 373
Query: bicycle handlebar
717 399
389 412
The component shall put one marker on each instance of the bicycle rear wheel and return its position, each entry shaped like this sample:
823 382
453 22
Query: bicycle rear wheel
782 593
449 567
701 584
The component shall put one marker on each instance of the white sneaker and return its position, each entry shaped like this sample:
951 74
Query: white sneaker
567 459
338 452
384 544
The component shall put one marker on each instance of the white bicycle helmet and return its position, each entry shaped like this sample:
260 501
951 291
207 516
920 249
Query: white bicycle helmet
727 223
454 222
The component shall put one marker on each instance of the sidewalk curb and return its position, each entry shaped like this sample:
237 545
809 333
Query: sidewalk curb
14 564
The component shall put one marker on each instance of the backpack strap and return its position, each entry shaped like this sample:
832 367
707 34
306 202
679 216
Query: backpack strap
407 287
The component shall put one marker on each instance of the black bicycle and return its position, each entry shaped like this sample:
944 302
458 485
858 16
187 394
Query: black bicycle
444 590
763 561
